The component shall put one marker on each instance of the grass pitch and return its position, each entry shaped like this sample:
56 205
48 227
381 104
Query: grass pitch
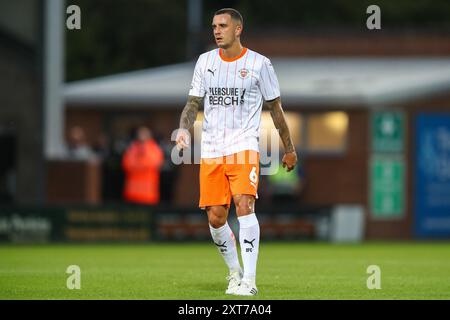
196 271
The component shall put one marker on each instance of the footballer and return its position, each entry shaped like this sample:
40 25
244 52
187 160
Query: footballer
231 83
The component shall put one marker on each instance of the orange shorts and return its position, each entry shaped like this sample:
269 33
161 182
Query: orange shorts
222 177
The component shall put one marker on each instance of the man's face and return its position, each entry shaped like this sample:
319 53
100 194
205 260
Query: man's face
225 30
143 134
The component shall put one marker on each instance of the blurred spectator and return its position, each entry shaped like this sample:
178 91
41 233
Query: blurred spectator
77 146
102 147
141 163
169 171
112 175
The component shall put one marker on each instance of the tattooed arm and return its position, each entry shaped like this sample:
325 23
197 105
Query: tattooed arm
187 120
276 111
190 111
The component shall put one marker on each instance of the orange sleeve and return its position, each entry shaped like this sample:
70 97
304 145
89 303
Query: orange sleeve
133 162
127 159
160 157
156 156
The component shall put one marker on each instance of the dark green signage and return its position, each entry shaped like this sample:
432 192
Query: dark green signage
387 131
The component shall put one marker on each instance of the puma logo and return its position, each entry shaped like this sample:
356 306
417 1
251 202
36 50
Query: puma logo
209 70
221 245
249 242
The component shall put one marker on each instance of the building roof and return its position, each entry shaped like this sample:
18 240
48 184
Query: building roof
329 82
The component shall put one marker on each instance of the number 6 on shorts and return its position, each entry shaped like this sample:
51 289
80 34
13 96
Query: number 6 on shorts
253 176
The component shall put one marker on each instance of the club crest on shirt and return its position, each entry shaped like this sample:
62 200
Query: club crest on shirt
243 73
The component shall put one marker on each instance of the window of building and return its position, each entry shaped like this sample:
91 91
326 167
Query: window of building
326 132
313 132
295 123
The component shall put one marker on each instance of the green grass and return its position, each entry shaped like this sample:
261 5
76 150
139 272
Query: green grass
196 271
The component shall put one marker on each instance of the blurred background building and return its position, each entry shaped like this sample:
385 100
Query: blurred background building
369 111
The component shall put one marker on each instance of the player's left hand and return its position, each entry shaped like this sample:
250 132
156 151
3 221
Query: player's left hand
289 160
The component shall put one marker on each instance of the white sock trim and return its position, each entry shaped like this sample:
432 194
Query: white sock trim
248 221
220 228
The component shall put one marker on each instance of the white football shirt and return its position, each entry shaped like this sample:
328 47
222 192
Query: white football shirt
233 91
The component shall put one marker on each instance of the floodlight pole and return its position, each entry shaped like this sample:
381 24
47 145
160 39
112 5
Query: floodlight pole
53 75
195 14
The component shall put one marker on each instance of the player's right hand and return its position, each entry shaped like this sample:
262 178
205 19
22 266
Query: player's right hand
182 139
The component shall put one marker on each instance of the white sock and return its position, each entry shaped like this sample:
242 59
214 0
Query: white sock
249 240
225 241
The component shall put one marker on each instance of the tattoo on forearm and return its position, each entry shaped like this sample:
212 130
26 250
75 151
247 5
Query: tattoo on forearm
276 111
190 111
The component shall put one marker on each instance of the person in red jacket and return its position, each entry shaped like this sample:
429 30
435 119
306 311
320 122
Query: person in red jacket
141 163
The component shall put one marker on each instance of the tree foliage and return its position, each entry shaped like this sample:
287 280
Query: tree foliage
124 35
